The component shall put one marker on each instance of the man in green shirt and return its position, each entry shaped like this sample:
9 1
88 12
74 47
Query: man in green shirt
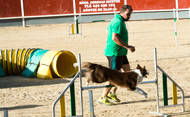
116 49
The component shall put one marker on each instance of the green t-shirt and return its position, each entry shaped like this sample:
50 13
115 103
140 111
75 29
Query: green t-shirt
117 25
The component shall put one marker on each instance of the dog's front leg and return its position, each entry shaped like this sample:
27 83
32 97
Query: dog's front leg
140 91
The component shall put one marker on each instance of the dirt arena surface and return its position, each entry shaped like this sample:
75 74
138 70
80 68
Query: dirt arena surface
33 97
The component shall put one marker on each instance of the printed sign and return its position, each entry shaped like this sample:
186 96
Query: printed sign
95 6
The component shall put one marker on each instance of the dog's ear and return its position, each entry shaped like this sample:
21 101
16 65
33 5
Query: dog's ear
138 66
145 72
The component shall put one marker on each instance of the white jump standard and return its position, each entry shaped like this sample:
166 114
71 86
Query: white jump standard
165 76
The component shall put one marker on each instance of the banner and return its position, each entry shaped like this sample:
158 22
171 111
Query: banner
183 4
98 6
152 4
10 8
47 7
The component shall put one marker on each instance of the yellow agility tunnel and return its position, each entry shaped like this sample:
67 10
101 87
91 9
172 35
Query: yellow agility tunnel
37 63
14 61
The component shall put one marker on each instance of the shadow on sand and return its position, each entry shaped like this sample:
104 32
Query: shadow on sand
19 107
20 81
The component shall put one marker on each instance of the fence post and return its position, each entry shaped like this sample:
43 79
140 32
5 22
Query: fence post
177 10
189 13
22 11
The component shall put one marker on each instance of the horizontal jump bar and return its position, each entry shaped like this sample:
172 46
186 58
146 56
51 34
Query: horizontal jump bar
145 82
171 105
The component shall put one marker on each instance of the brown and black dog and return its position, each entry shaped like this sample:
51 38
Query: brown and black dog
99 74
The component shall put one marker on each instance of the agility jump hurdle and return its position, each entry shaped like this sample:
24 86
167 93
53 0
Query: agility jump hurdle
165 95
165 76
75 24
175 14
175 29
72 94
61 97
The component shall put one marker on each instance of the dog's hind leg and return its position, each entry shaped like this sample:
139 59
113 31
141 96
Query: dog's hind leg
87 82
89 75
131 87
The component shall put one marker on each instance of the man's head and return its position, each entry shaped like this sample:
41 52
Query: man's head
126 11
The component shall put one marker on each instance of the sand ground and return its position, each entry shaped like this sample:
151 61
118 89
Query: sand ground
33 97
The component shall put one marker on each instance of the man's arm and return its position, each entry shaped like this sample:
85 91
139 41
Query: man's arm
118 41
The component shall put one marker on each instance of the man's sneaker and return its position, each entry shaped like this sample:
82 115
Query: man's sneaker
105 101
113 97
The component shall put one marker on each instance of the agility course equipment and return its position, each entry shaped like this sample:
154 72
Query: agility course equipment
75 24
33 62
91 103
37 63
175 29
175 16
72 95
14 61
165 76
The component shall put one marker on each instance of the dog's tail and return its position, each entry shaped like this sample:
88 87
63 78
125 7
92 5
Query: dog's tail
86 65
